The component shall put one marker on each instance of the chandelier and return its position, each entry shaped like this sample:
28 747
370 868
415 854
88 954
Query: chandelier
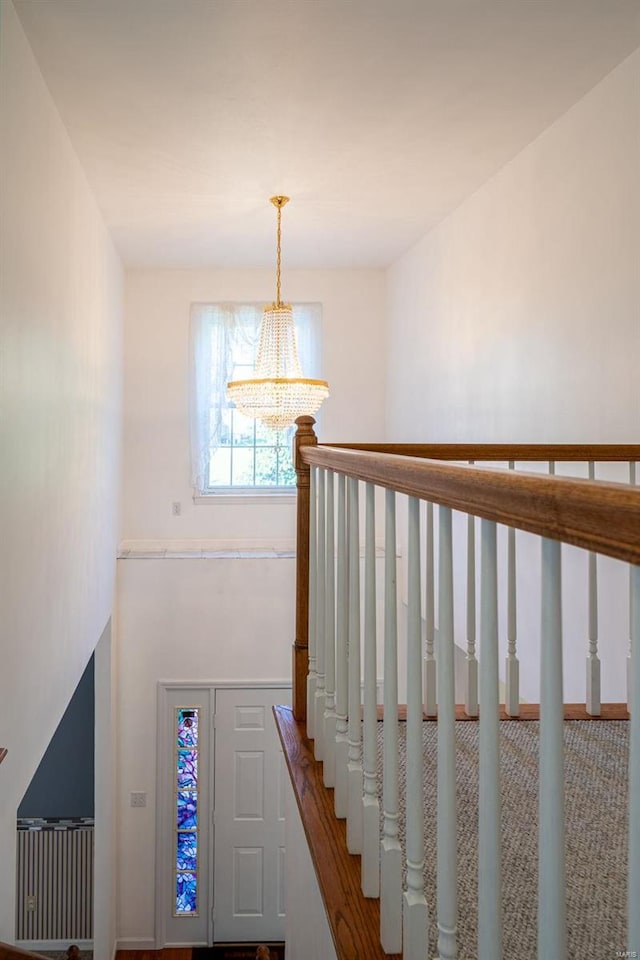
278 394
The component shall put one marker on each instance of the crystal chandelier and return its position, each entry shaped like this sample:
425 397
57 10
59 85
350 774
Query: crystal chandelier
278 393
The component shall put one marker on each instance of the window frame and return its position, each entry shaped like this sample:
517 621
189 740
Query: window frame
311 358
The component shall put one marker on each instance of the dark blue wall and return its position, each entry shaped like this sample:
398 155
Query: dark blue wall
62 785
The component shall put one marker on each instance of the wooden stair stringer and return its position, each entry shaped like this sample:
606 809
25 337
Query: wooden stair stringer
354 920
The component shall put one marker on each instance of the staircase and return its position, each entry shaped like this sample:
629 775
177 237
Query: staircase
330 739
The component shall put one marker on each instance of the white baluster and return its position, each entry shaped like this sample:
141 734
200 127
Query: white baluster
489 855
342 662
313 588
633 888
552 934
447 857
593 661
471 663
415 915
355 776
632 481
370 865
390 851
512 667
329 762
429 684
318 723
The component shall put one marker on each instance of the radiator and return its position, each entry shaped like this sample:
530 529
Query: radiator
55 883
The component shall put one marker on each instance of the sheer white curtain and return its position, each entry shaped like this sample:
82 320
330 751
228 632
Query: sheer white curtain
224 342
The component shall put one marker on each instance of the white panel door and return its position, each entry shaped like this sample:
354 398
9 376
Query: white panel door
250 789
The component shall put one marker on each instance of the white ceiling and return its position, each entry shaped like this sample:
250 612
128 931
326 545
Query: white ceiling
377 117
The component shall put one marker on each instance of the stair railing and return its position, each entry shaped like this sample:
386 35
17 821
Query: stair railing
600 517
9 951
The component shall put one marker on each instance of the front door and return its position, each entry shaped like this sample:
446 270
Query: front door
249 786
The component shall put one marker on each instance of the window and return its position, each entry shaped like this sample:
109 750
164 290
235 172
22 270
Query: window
186 810
231 452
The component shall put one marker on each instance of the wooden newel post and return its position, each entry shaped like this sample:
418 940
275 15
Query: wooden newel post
304 437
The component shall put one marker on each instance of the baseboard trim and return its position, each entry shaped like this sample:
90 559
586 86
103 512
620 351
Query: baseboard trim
136 943
180 945
36 945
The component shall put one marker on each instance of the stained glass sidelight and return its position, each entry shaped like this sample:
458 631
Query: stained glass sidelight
186 809
187 769
186 893
187 855
187 727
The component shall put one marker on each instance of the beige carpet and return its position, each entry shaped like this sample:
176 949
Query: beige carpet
596 841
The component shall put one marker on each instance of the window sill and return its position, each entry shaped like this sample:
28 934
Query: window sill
229 497
206 549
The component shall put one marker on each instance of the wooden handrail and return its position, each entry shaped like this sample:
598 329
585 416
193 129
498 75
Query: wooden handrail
598 516
3 753
602 517
585 452
10 952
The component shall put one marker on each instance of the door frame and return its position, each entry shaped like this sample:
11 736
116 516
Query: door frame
163 751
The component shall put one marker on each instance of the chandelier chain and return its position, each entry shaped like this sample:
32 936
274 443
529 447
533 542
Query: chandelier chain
278 259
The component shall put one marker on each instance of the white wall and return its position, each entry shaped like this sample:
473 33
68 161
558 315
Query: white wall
308 934
156 437
518 318
61 334
193 620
